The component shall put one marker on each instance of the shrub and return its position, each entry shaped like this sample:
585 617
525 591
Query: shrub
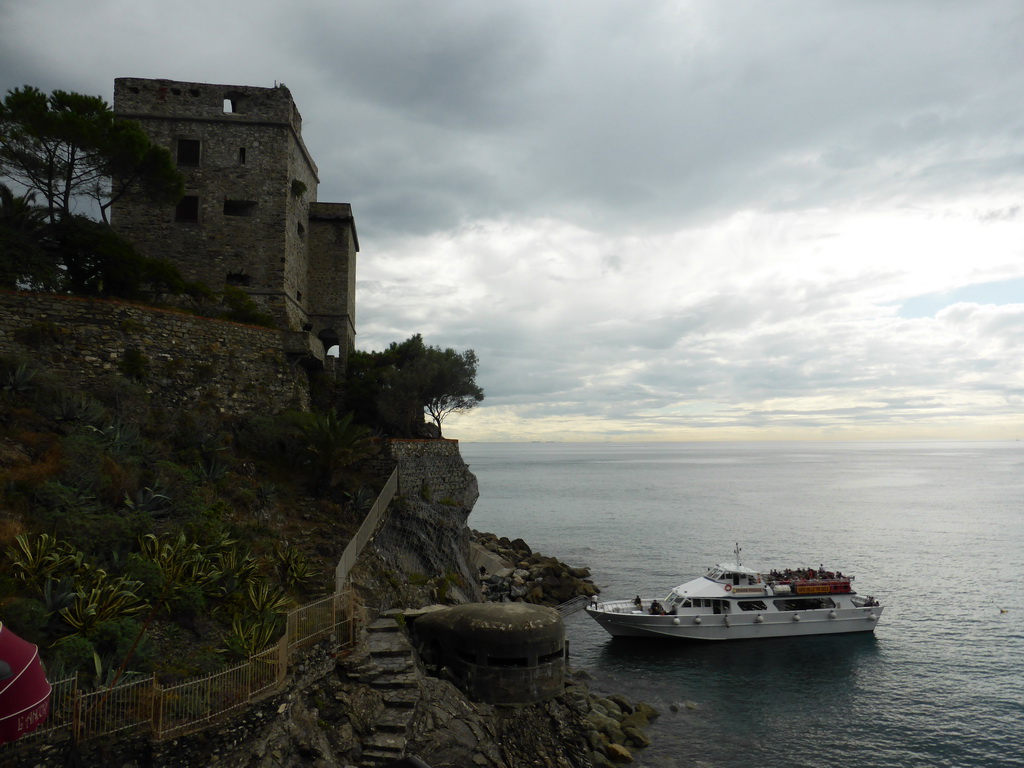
242 309
134 364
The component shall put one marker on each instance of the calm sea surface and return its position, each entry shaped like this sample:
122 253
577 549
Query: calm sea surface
934 530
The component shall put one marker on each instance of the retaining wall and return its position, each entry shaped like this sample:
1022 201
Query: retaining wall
177 357
432 470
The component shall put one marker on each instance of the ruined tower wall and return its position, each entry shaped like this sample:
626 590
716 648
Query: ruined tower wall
333 246
249 181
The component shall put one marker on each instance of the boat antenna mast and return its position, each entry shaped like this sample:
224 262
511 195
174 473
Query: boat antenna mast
738 550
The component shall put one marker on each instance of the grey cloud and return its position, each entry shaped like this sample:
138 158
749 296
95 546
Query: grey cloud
517 170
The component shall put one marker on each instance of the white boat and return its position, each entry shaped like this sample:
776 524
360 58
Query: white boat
733 602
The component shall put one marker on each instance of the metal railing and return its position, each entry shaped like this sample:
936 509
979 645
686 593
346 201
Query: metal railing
189 706
574 605
366 530
168 711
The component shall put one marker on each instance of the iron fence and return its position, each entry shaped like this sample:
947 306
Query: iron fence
168 711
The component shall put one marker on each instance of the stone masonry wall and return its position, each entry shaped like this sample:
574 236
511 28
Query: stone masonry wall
185 358
432 470
252 180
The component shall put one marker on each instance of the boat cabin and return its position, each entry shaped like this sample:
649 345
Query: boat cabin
733 574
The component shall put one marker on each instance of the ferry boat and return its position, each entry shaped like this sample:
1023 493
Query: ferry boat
733 602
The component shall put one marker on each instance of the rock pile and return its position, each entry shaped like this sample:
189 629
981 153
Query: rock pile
615 725
528 576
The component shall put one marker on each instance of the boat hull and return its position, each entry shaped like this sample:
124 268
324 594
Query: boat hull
716 627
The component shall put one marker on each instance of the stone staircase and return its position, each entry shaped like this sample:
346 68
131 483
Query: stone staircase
390 668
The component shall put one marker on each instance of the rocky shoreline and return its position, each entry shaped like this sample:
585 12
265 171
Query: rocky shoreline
528 576
615 725
379 703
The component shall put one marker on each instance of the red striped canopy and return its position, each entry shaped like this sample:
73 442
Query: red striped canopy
24 691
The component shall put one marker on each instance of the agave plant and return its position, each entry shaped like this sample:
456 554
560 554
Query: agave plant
101 599
19 380
179 561
251 634
238 568
37 561
148 500
293 567
79 408
265 598
122 437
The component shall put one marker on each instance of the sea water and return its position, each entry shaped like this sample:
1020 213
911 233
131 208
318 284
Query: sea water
935 531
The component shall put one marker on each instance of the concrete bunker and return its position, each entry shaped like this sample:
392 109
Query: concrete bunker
498 653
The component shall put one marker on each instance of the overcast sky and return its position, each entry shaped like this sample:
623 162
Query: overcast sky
651 220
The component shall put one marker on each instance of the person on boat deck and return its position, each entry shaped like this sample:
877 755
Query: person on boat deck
656 609
638 602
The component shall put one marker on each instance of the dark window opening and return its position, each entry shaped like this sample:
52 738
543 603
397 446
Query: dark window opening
238 278
241 155
298 295
239 207
188 151
187 209
752 605
176 91
302 230
193 92
497 661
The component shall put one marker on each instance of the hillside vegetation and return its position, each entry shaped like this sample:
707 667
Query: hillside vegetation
163 540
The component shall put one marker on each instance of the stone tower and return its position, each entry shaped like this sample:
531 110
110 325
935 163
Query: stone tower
249 217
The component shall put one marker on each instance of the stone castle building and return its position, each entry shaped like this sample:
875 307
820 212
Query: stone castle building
250 216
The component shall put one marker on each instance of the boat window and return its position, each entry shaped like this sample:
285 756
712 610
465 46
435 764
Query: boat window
687 603
805 603
752 605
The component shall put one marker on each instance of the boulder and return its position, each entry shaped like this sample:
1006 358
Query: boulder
619 754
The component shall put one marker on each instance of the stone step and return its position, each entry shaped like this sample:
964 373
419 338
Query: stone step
385 743
404 698
383 625
389 681
385 644
395 721
395 664
379 757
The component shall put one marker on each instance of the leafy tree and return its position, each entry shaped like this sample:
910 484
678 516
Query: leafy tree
68 146
393 389
23 260
96 260
76 255
452 383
